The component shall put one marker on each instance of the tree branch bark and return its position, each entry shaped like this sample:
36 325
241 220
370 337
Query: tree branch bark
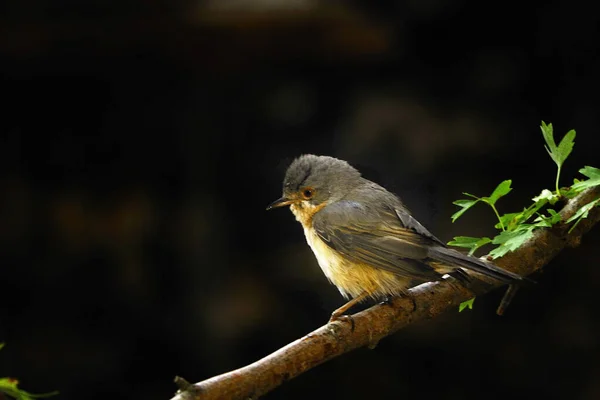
425 301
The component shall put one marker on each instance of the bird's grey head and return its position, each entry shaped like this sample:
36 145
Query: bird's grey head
313 180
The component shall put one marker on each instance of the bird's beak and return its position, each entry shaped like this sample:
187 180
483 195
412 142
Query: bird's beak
282 202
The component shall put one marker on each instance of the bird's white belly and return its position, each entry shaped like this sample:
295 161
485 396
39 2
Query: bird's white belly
329 261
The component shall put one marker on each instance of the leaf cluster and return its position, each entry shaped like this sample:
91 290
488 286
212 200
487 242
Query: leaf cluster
515 228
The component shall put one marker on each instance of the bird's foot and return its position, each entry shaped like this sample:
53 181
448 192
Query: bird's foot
387 300
339 316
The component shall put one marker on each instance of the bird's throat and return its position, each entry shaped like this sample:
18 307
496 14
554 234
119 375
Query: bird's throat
304 212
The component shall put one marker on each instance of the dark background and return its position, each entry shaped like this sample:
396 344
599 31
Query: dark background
141 142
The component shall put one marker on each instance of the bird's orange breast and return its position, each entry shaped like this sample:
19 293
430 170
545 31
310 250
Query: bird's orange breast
351 278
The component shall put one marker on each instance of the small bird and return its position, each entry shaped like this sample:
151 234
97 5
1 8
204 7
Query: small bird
365 240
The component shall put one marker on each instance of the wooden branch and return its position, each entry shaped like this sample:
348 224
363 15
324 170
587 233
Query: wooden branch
370 326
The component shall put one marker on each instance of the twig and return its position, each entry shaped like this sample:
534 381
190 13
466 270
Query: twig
425 301
508 297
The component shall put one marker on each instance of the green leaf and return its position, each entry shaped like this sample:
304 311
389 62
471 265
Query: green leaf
508 237
513 221
465 205
511 240
463 241
548 133
40 395
543 221
555 217
582 213
590 172
558 153
468 242
9 386
566 146
2 345
508 220
594 178
501 190
532 210
569 193
466 304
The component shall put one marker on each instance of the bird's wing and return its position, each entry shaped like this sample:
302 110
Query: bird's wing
390 239
377 238
410 222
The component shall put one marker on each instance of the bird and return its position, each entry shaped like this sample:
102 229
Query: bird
365 240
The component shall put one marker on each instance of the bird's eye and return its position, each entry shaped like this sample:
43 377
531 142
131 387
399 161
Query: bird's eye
308 193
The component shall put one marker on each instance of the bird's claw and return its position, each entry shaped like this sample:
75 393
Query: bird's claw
342 317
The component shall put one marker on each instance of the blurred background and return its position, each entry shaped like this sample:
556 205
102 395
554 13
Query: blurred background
141 141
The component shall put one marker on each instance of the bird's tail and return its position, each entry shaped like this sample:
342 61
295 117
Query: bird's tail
453 257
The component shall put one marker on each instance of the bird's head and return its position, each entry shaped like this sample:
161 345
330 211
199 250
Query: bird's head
311 182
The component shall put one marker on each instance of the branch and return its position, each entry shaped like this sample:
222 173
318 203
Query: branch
425 301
